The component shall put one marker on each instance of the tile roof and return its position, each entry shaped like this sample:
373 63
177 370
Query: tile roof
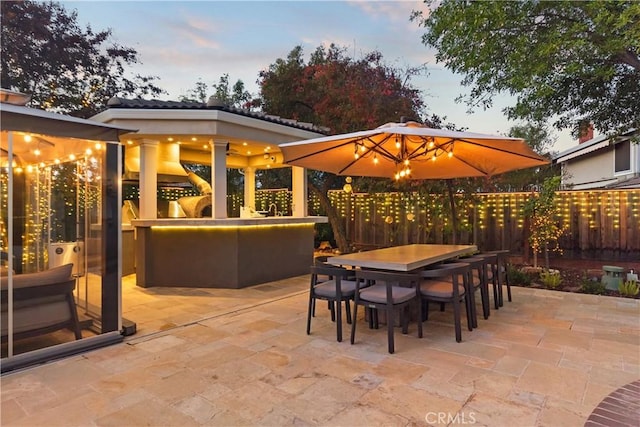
212 104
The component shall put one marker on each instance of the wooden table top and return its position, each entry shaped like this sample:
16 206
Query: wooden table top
402 258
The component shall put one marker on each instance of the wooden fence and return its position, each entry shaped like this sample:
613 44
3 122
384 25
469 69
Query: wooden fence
596 223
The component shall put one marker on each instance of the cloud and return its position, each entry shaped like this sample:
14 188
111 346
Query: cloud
196 31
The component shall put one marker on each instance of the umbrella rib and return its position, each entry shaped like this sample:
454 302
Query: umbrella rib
536 157
321 151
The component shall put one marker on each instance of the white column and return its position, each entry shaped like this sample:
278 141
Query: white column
299 187
148 179
250 187
219 179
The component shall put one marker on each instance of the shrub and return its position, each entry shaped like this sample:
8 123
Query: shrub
629 288
551 279
518 277
594 287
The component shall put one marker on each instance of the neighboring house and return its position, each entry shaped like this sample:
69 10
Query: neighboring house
602 162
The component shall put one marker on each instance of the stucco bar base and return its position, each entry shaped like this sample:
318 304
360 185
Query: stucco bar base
222 253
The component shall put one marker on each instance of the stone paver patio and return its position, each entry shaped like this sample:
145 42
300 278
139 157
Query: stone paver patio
233 358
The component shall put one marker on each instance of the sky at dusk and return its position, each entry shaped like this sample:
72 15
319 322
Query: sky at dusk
182 42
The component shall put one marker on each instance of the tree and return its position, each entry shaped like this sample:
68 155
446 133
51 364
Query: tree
63 67
571 61
343 94
234 96
544 228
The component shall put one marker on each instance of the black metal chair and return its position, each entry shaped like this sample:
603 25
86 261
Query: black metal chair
447 283
477 280
502 272
388 291
496 270
331 284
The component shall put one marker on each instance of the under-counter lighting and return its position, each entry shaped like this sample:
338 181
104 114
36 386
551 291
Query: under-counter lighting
227 227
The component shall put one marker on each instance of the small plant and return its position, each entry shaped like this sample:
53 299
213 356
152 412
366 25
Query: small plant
629 288
518 277
551 279
594 287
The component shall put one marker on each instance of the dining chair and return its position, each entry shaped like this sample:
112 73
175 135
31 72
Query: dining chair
331 284
447 283
496 274
390 292
477 281
502 271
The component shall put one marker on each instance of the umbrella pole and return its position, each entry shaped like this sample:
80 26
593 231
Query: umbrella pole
454 219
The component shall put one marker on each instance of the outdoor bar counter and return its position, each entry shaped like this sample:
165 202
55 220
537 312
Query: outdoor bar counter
222 253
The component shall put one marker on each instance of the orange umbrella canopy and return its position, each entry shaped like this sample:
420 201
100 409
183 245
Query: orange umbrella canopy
411 150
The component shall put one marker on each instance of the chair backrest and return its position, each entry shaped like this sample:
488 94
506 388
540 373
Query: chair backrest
332 271
399 278
445 270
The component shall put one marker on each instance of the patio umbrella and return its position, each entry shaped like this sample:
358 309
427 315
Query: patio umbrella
412 150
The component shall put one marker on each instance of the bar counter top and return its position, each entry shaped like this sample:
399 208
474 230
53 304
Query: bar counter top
211 222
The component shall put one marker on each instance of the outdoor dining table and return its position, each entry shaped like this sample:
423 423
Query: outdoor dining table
402 258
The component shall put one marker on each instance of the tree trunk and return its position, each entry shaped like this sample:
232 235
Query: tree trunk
546 256
454 217
339 232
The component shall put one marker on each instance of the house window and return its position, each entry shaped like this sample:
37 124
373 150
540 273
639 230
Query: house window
623 156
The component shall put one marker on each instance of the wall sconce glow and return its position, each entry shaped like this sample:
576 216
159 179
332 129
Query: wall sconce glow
88 151
98 146
72 157
27 138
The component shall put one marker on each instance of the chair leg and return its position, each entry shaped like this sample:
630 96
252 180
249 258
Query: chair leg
75 322
390 331
404 319
506 279
332 307
484 294
338 320
419 303
470 299
471 317
456 319
310 313
354 318
425 307
347 309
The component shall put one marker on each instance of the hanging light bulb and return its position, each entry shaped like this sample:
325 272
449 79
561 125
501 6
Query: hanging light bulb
375 159
397 143
434 157
450 154
37 152
27 138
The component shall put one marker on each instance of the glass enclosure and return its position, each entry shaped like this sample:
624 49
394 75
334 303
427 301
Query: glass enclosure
51 215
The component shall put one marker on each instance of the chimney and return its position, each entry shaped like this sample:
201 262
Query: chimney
586 132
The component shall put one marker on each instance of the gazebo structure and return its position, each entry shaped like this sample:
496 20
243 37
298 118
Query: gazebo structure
191 241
